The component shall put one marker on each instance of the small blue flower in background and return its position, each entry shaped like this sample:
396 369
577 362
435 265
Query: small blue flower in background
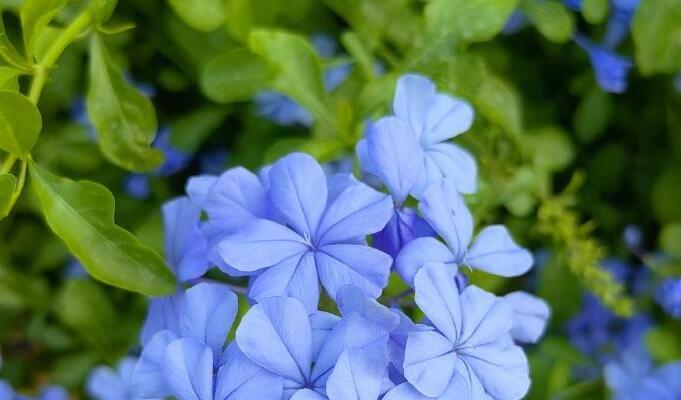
611 69
79 115
619 23
632 376
51 392
105 383
283 110
677 83
185 245
574 5
137 186
633 238
669 297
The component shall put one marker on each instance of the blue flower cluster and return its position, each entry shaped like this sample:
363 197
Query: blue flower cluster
51 392
291 229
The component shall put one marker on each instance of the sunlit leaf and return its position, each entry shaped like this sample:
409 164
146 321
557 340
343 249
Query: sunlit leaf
35 15
20 123
202 15
468 21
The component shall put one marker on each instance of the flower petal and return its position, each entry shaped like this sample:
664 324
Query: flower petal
322 324
413 95
240 379
396 155
358 374
185 244
404 226
485 317
447 117
294 277
444 209
438 297
405 391
276 335
495 252
207 314
298 191
530 316
502 370
455 163
198 187
351 299
358 211
307 394
260 244
429 362
147 379
349 264
163 314
235 199
420 252
188 369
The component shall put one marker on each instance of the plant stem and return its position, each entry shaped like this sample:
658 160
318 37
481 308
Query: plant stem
69 34
8 164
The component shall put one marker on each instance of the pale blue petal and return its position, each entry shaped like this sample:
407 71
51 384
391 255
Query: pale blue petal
352 332
188 369
298 191
455 163
214 235
240 379
438 297
276 335
444 209
322 324
404 226
295 277
396 156
147 378
502 370
358 374
105 384
207 314
307 394
429 362
235 199
185 245
362 152
413 96
260 244
397 342
6 391
485 317
351 299
53 392
125 368
349 264
530 316
358 211
338 183
405 391
447 117
418 253
198 187
162 314
495 252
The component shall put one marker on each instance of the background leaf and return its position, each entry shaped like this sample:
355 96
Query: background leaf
202 15
35 15
468 21
8 183
657 36
81 214
234 76
125 119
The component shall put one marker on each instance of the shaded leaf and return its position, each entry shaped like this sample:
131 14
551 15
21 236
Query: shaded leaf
657 36
234 76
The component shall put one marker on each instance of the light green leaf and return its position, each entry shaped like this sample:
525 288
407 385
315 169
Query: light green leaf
8 78
103 9
468 21
20 123
81 214
670 239
360 52
202 15
9 54
499 102
35 15
124 118
297 70
550 147
657 36
8 184
551 18
85 308
188 131
234 76
664 344
595 11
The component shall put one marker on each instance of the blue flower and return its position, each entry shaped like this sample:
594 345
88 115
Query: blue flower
611 70
186 247
105 383
574 5
175 160
137 186
632 376
493 250
316 236
470 354
669 297
619 23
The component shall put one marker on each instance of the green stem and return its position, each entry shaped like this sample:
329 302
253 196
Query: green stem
8 164
20 183
69 34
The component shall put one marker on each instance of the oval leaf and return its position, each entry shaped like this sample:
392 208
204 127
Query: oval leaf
234 76
202 15
124 118
81 214
20 123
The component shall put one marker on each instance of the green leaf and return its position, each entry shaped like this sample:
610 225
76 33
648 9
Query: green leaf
359 51
551 18
81 214
9 54
670 239
550 147
202 15
190 130
664 344
8 184
8 78
468 21
103 9
124 118
593 115
499 102
297 70
234 76
20 291
595 11
20 123
657 36
35 15
666 195
85 308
